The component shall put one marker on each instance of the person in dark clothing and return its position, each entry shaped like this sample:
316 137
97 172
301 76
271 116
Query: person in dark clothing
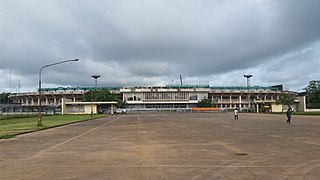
289 112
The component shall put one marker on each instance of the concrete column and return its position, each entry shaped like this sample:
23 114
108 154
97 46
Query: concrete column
302 104
112 109
47 101
240 101
63 106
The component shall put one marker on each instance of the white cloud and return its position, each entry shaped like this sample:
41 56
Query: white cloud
150 42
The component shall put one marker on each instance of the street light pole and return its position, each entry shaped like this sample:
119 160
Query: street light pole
248 86
95 77
40 93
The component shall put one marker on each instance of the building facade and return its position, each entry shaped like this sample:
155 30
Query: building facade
254 98
163 97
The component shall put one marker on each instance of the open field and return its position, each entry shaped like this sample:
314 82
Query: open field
169 146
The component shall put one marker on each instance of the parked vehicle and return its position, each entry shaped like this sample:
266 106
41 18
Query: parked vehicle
121 111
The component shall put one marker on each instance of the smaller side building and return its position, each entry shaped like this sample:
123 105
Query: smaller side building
71 107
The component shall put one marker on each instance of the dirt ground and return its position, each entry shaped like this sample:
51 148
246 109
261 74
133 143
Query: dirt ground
169 146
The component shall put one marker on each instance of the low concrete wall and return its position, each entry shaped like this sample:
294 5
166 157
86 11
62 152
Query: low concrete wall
302 104
276 108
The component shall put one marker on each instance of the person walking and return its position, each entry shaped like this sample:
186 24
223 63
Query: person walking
289 112
236 114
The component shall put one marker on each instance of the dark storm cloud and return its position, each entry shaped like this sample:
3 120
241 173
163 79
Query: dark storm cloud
150 41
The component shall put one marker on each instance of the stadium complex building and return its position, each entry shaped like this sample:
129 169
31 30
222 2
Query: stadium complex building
70 99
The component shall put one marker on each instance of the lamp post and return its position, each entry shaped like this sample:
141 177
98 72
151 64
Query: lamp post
248 86
40 93
95 77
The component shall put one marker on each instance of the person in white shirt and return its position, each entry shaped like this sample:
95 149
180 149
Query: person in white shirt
236 114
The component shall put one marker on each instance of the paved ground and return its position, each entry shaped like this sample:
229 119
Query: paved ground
169 146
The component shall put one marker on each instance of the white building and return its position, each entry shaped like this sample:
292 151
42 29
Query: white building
168 97
230 97
163 97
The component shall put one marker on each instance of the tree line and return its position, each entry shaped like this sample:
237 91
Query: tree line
4 98
313 95
103 95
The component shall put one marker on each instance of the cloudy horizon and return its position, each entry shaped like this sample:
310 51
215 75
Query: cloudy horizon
153 42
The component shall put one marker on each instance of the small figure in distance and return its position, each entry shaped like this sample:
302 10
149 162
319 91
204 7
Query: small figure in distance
289 112
236 114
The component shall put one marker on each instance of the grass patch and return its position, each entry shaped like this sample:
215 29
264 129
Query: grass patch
11 127
306 113
299 113
6 136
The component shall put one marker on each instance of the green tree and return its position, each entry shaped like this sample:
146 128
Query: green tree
99 95
286 99
4 98
102 95
121 104
313 94
205 103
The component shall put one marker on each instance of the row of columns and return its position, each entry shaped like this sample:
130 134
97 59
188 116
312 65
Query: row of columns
239 103
33 102
45 101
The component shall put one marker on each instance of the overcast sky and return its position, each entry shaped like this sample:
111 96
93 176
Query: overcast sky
152 42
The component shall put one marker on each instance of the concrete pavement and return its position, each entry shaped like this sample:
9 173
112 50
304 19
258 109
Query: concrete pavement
169 146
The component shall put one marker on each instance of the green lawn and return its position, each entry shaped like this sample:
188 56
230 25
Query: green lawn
306 113
300 113
9 127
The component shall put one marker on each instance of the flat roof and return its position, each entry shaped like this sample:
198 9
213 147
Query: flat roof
83 88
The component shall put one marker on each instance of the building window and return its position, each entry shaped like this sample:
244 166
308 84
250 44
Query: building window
194 97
